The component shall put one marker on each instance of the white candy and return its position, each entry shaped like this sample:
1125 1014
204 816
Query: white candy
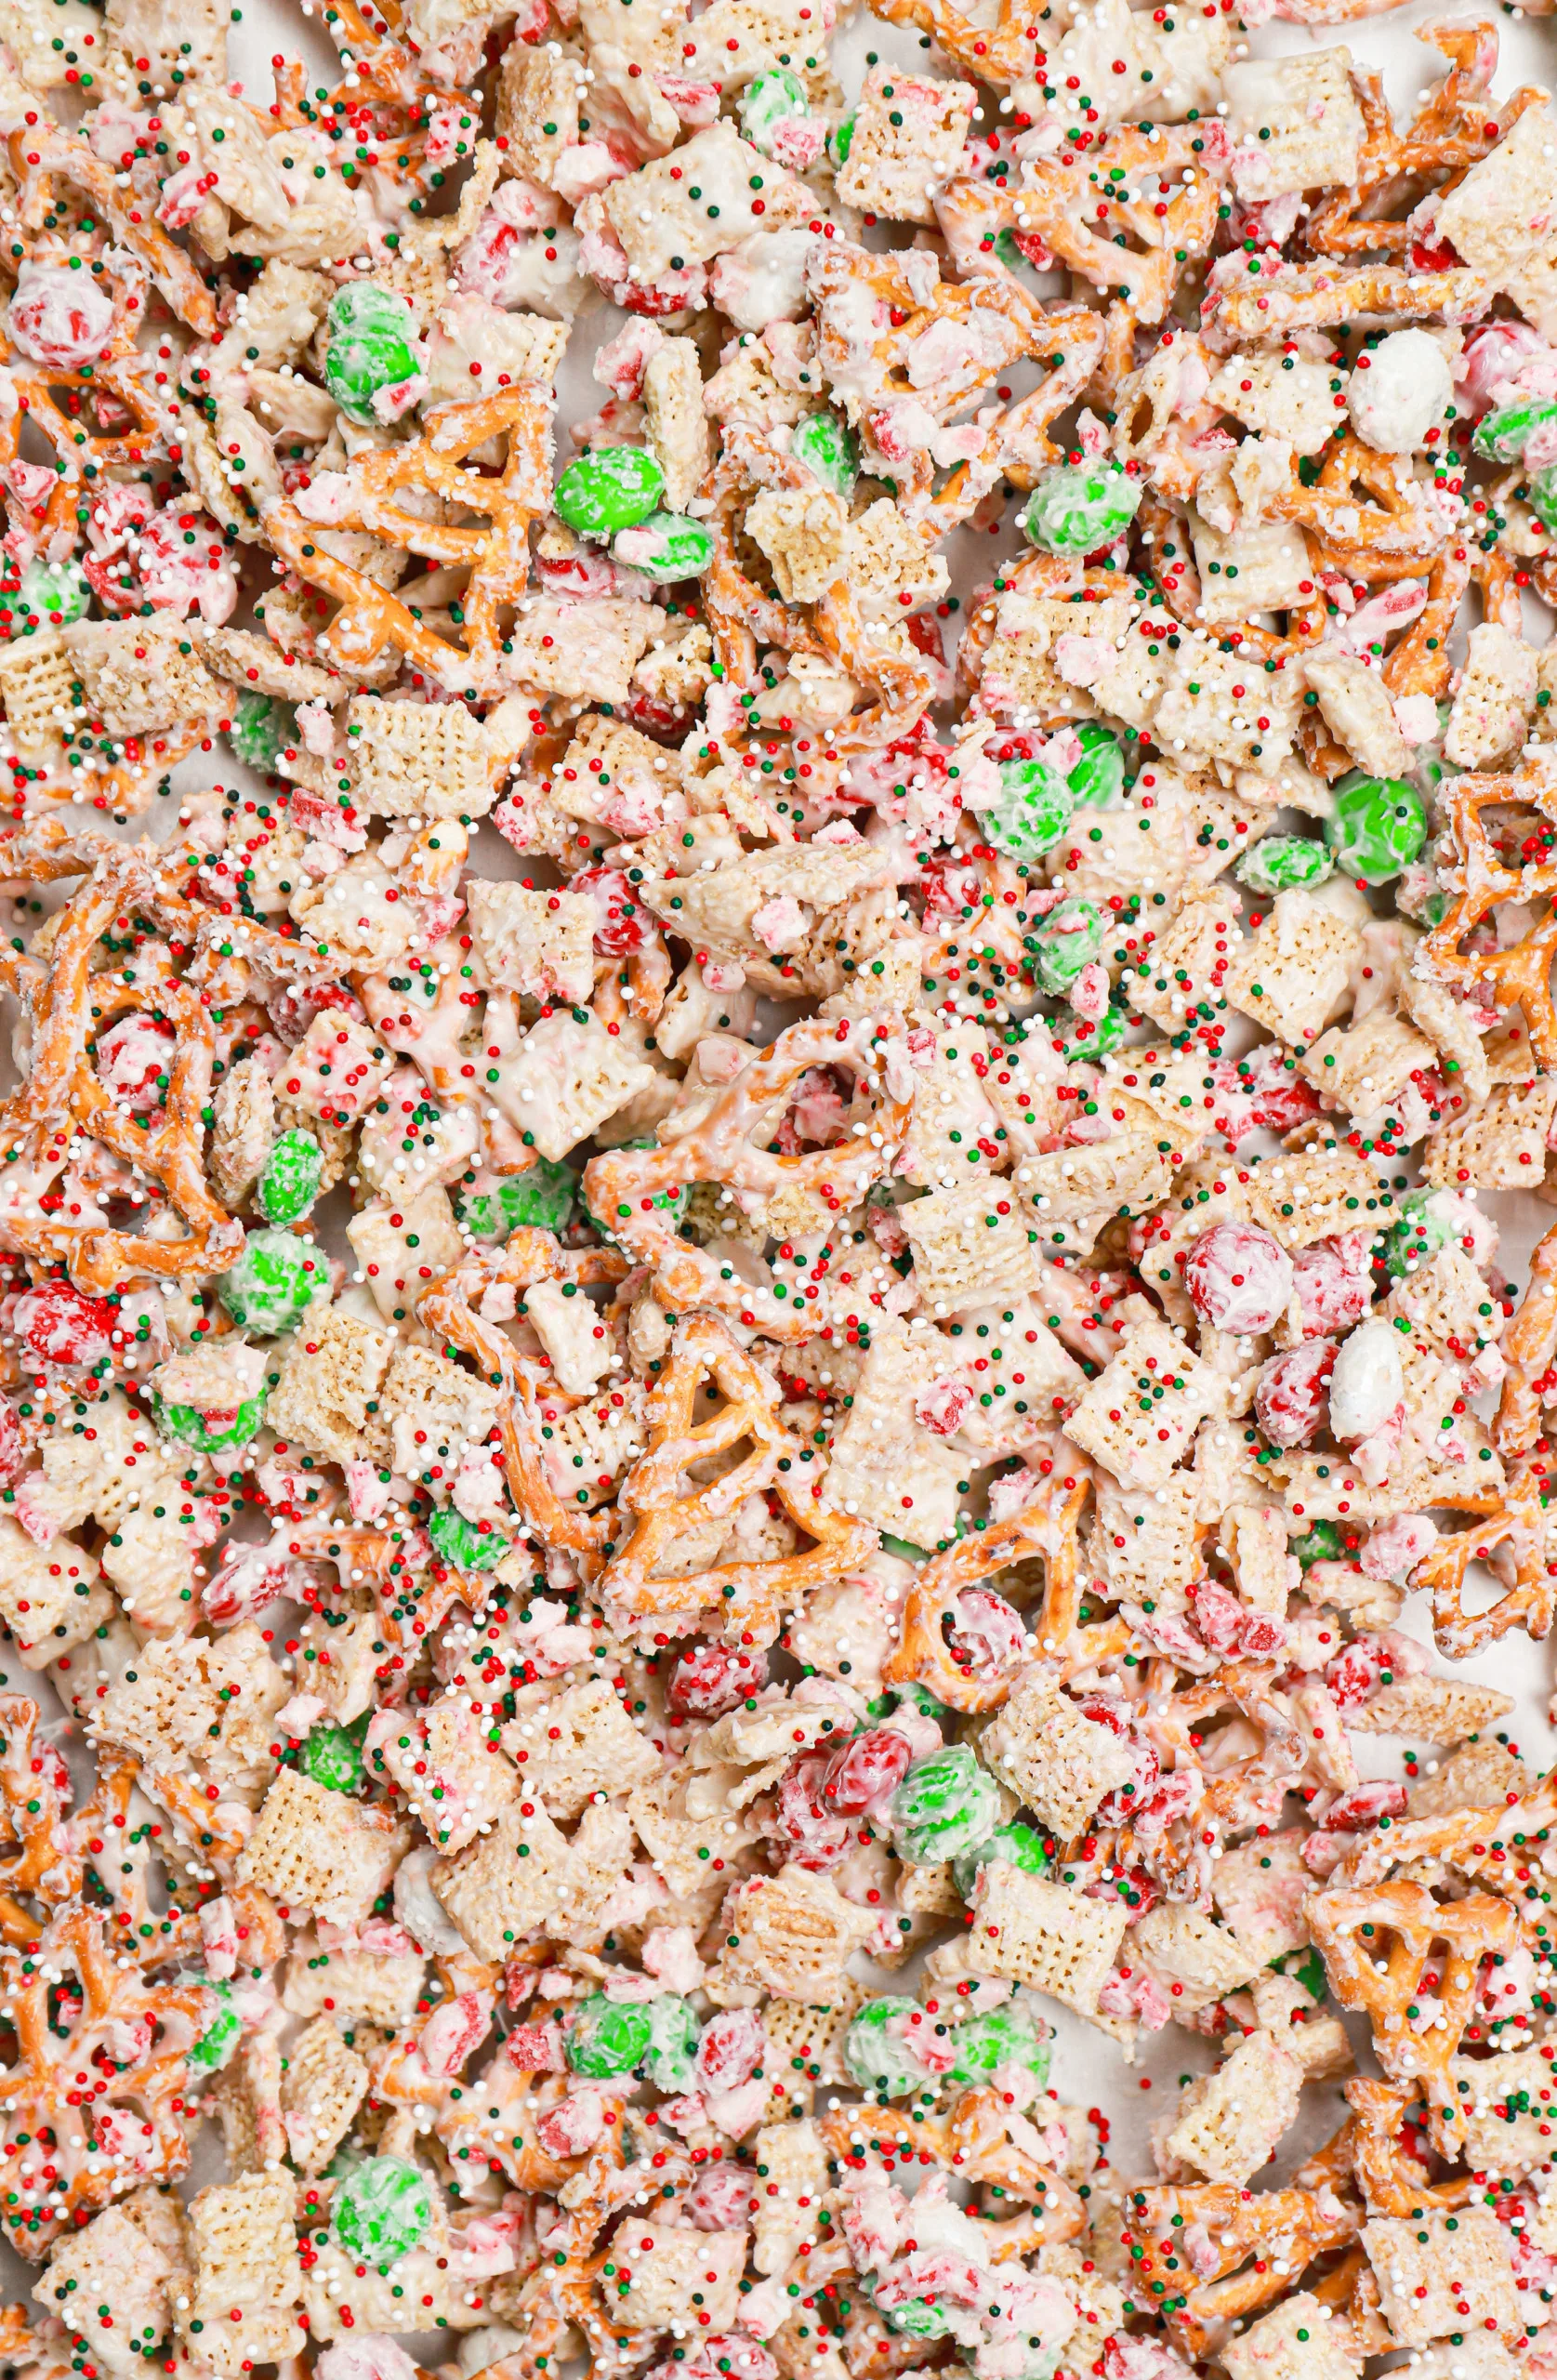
1367 1383
1399 391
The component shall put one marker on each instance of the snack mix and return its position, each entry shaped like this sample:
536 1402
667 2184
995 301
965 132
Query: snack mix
664 1486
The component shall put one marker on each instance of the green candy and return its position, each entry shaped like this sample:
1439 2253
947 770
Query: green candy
289 1184
1085 1038
945 1805
192 1424
461 1543
276 1279
918 2318
261 730
842 141
1019 1846
1503 434
55 592
1036 808
673 2036
607 2037
1075 507
216 2043
666 548
371 348
1068 940
544 1200
1319 1543
879 2060
1379 826
1542 495
1305 1967
1283 863
772 98
1003 2037
1428 1222
382 2210
1097 777
613 487
333 1756
824 446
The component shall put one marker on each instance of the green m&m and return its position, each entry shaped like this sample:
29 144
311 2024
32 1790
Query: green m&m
1068 940
463 1543
382 2210
371 351
55 592
545 1198
1379 826
1003 2037
1018 1846
1035 808
1503 434
666 547
1085 1036
276 1280
1542 494
289 1184
607 2037
673 2033
333 1756
216 2044
1097 777
841 140
207 1428
945 1805
1284 864
1075 507
877 2051
822 443
1320 1542
770 98
261 730
611 488
1428 1220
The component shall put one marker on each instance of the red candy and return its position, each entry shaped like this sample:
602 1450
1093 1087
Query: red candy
1365 1805
1239 1278
711 1680
815 1837
731 2049
1333 1282
987 1632
873 1765
1291 1394
60 1325
131 1055
621 920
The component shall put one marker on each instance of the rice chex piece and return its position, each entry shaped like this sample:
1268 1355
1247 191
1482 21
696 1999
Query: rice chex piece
141 674
805 2044
1259 1888
1442 1302
1309 111
454 1781
1020 679
1499 1145
663 2264
1033 1932
1295 969
542 943
38 680
1504 2103
1455 2280
1297 403
418 759
508 1884
315 1849
397 1234
565 1078
330 1376
1148 1543
538 94
1477 1777
969 1244
1495 700
909 132
674 422
324 2084
1228 2124
246 2280
1072 1193
1312 1195
584 1744
373 1987
433 1410
188 1698
656 218
1221 705
1060 1764
885 1465
793 2157
1354 704
1185 1949
1496 215
1366 1066
1255 1541
683 1847
793 1933
1186 964
1300 2339
52 1597
1142 1411
585 651
1436 1709
109 2283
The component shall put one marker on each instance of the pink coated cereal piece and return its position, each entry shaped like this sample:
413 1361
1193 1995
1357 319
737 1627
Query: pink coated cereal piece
535 2049
574 2127
1292 1394
1334 1283
1394 1547
59 317
729 2050
711 1679
943 1407
1365 1805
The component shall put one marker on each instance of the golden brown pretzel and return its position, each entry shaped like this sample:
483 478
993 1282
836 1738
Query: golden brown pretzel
1248 2236
1478 883
44 152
